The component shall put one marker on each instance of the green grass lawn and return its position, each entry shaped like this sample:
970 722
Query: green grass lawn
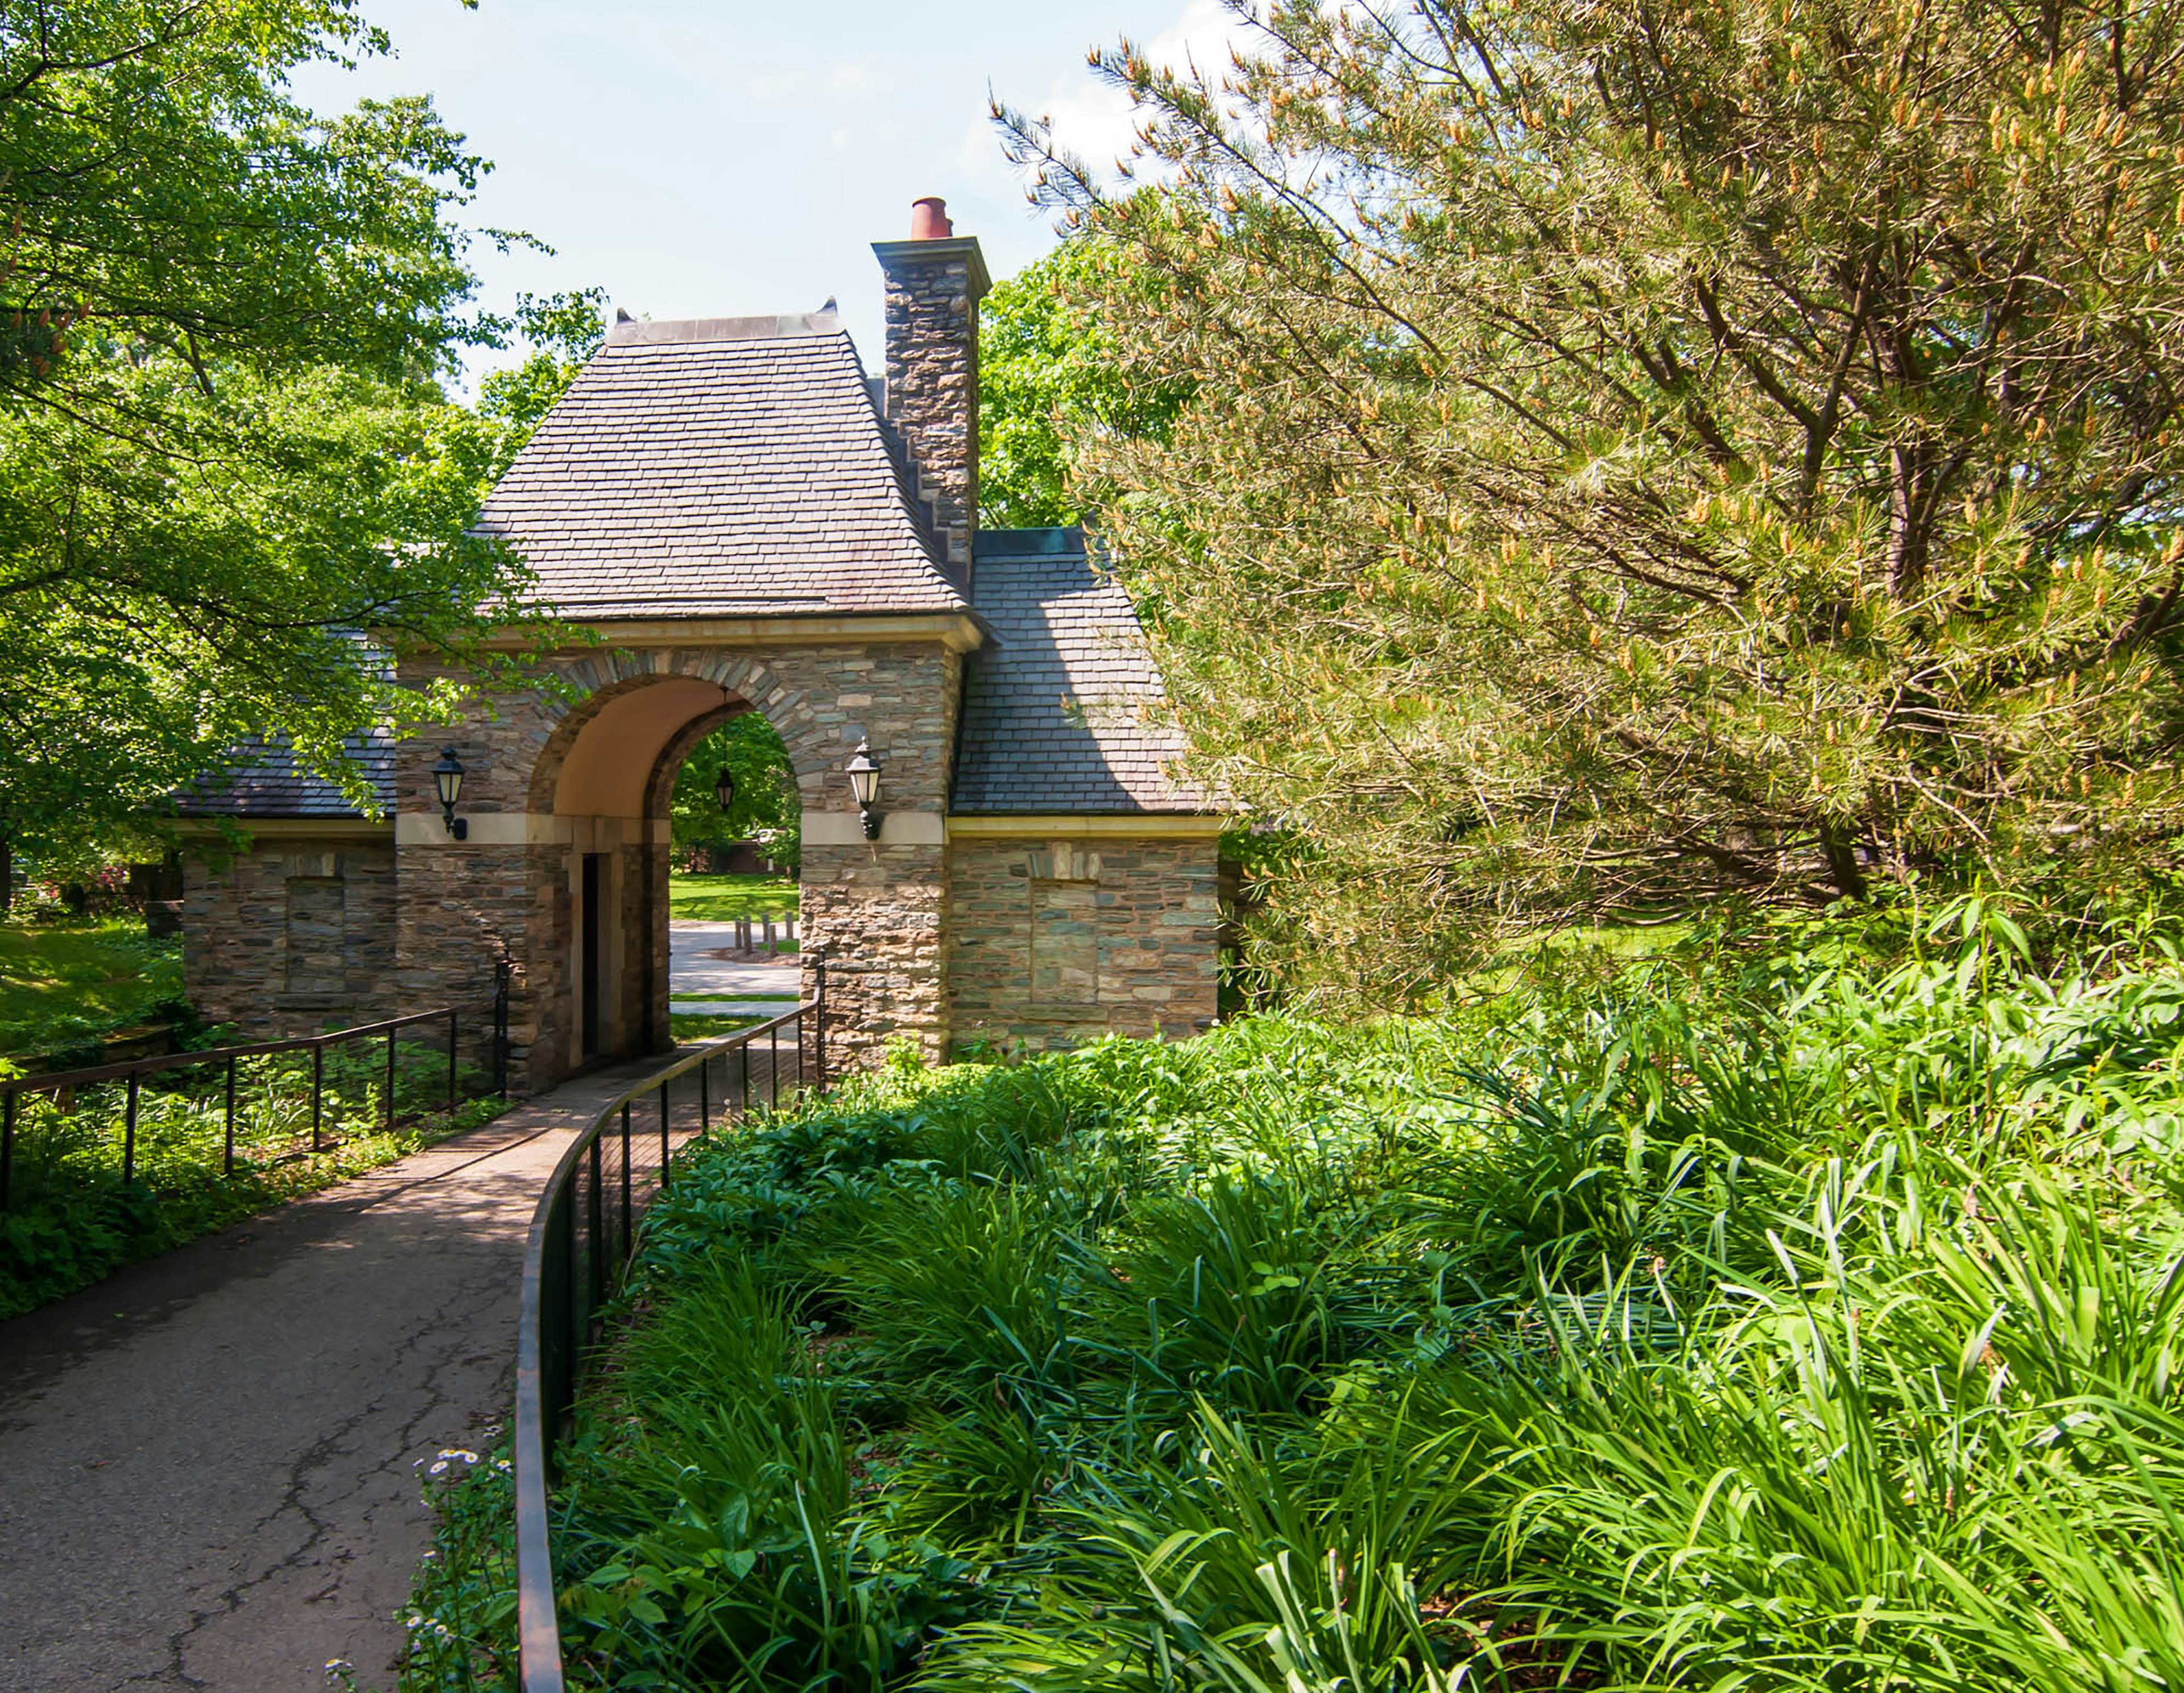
64 985
696 1026
722 899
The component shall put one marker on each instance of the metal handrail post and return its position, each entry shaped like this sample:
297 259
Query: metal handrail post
819 1016
228 1147
7 1148
390 1082
129 1142
597 1208
318 1097
451 1063
545 1386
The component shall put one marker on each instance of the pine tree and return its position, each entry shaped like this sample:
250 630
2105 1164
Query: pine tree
1649 450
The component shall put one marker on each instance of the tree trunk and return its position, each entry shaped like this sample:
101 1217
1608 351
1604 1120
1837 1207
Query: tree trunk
1840 844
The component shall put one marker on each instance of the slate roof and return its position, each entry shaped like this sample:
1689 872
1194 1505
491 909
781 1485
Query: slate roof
1050 707
720 466
266 782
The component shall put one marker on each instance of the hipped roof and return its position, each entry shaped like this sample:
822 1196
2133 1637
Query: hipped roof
720 467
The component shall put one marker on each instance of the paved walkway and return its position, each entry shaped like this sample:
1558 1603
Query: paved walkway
207 1462
699 978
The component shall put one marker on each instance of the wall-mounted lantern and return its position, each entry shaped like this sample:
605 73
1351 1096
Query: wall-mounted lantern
864 772
724 790
447 779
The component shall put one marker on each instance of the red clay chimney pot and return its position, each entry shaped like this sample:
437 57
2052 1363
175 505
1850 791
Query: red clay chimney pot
928 219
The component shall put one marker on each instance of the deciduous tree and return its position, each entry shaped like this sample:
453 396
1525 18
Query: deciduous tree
1050 373
226 455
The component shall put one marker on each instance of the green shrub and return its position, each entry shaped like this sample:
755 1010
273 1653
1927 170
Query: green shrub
1799 1316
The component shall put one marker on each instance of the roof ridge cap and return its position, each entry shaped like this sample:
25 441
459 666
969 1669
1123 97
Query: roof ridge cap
671 332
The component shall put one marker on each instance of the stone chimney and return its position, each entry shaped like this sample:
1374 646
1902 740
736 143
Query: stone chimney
934 283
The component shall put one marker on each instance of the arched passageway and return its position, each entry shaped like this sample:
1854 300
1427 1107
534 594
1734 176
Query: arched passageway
583 769
610 783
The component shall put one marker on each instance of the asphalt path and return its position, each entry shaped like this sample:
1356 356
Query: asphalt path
705 974
208 1463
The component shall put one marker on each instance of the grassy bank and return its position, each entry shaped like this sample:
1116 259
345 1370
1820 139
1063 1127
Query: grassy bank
67 986
1762 1316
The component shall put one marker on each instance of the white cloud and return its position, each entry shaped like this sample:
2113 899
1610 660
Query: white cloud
1097 122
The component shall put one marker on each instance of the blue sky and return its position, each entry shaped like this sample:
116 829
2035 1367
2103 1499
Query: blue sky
731 159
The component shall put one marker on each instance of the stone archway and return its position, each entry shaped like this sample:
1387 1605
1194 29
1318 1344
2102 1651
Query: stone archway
581 769
607 778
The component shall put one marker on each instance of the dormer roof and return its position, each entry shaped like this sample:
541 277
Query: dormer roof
720 467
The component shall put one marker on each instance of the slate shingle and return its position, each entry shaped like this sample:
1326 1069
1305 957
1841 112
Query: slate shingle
1053 707
720 467
266 782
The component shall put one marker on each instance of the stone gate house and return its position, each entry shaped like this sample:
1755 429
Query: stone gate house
748 522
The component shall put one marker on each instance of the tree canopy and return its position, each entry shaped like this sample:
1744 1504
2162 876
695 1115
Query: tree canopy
766 808
1644 449
230 483
1048 372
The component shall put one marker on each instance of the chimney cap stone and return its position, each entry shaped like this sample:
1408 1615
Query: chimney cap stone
902 258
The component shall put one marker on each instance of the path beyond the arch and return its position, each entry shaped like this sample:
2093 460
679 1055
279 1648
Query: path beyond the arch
208 1462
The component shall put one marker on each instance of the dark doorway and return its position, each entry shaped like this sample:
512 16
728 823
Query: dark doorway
588 950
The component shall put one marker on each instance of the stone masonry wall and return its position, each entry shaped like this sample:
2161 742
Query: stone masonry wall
933 292
1051 943
290 936
875 908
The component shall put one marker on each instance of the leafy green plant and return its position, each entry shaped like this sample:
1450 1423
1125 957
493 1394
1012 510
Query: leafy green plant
1783 1309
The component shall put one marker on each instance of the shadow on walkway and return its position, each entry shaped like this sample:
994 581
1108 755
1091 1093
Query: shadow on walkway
207 1461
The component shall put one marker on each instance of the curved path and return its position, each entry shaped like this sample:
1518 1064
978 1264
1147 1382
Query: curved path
207 1462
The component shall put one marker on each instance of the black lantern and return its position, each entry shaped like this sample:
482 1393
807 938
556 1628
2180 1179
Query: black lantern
864 772
724 790
448 778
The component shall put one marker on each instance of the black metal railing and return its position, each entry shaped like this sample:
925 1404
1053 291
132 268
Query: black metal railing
220 1067
582 1235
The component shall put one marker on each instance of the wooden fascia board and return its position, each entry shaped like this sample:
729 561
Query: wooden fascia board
1063 825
